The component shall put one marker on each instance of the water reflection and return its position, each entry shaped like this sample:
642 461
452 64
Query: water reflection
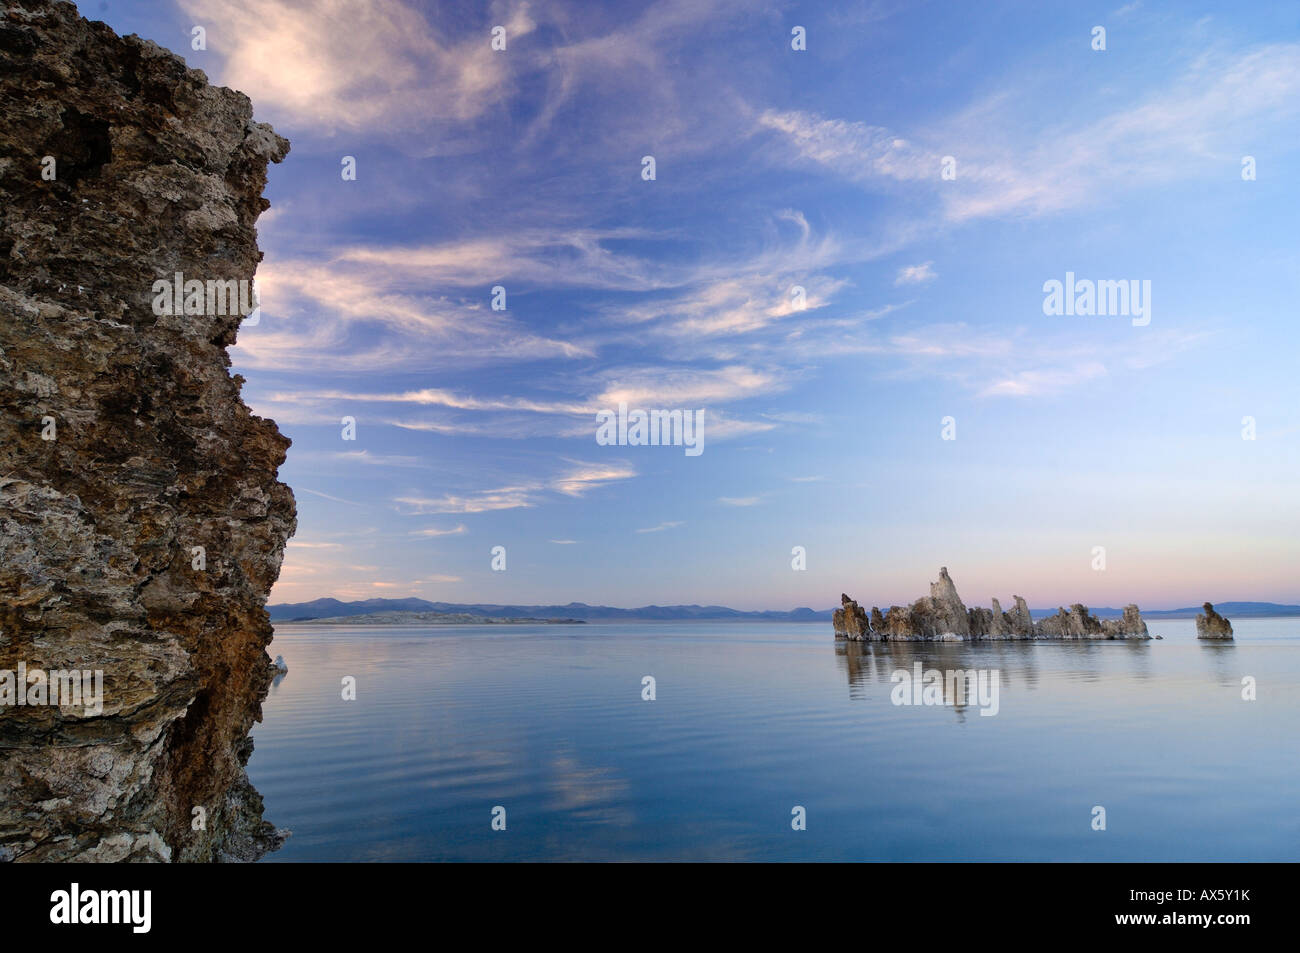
750 720
873 664
1221 657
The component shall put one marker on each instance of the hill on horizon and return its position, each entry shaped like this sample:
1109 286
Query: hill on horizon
328 607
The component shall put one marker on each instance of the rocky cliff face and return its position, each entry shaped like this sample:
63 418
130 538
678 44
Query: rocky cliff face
141 522
1211 625
942 616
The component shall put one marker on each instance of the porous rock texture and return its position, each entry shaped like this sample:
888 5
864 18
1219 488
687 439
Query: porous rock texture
1211 625
124 445
941 616
850 619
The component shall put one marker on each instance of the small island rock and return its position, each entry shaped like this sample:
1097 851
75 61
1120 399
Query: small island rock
1211 625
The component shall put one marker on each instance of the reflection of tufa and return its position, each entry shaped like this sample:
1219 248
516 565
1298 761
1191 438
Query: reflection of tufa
943 617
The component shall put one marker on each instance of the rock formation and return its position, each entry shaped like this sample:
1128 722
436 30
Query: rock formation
900 624
942 616
999 626
850 621
950 617
1211 625
1019 621
1078 623
141 522
1127 626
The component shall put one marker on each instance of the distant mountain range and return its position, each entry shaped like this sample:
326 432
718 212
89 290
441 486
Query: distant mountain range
333 608
1233 610
437 618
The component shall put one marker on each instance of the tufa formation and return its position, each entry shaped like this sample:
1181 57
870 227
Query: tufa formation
942 616
1211 625
141 521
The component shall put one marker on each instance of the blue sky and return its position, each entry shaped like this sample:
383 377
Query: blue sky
775 168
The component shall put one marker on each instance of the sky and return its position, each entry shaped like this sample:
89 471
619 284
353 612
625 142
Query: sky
920 170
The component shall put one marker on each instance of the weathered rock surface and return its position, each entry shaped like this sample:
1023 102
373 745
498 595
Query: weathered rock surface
1078 623
942 616
1128 626
999 622
950 617
125 446
1020 621
850 620
900 624
1211 625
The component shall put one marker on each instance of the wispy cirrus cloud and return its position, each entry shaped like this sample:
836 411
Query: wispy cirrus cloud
673 524
366 458
856 151
434 531
483 501
1010 166
916 274
537 257
341 66
326 496
681 387
320 314
589 476
1034 383
576 480
646 386
437 397
736 305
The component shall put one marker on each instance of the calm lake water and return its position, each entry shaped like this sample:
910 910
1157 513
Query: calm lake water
750 721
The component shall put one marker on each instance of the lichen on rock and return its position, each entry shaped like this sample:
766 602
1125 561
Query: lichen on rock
141 521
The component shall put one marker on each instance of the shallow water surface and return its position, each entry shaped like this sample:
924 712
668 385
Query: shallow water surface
752 720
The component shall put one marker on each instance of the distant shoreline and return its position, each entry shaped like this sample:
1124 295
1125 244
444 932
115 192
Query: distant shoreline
334 612
371 622
426 618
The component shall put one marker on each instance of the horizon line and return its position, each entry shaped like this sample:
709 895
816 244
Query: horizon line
672 605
